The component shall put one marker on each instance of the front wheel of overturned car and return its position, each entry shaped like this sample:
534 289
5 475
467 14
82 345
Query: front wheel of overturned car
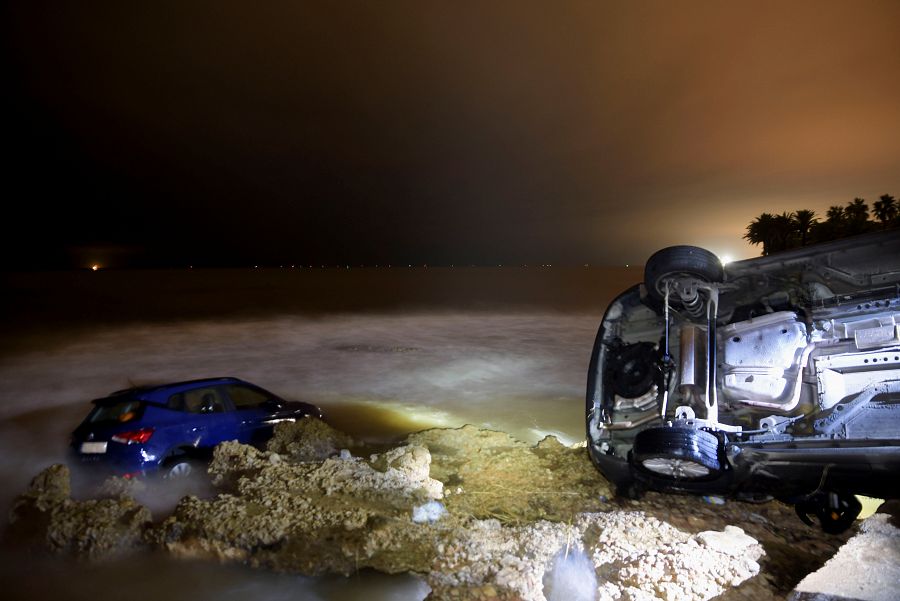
678 262
678 453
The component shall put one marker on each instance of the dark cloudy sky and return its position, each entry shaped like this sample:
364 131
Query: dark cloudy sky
435 132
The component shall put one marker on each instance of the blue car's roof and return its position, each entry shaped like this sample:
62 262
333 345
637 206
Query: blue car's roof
152 393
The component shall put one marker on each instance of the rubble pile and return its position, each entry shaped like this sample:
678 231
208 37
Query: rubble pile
490 474
631 556
95 529
335 516
314 440
867 567
476 513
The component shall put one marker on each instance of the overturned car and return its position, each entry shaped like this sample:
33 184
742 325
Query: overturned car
774 377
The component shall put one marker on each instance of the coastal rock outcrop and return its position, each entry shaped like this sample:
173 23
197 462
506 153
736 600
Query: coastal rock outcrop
94 529
308 440
337 516
476 513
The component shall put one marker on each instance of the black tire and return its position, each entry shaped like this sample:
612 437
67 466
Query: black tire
836 513
676 261
677 453
179 466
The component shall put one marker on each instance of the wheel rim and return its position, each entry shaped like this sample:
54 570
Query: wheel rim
179 470
674 467
663 282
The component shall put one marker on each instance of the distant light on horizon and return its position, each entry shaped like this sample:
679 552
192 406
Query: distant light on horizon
95 267
726 259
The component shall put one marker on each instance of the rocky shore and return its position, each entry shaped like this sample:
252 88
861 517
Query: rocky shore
476 513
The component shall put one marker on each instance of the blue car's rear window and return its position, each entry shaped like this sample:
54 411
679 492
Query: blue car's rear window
115 410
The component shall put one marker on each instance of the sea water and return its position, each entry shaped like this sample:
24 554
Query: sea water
503 349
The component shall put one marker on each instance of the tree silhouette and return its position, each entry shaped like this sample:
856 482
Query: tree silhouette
885 210
762 230
857 216
804 221
784 231
835 214
790 230
834 226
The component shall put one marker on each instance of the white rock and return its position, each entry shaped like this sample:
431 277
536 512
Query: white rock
731 541
429 513
867 567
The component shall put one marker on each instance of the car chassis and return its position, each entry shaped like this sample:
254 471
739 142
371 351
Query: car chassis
774 377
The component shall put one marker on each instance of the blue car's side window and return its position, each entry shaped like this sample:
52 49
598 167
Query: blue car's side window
176 402
204 400
247 398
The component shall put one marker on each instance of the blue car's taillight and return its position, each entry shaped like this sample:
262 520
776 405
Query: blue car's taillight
134 436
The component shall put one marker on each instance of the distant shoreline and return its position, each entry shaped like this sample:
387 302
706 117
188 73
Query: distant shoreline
42 302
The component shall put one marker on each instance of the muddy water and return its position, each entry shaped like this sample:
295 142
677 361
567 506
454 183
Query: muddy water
152 577
377 375
384 352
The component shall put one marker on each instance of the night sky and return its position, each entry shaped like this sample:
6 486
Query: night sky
280 132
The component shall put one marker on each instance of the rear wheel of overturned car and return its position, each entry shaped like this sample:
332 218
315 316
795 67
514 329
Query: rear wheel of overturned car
835 511
678 453
680 262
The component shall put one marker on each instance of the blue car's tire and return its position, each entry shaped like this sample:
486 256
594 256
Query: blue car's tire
178 466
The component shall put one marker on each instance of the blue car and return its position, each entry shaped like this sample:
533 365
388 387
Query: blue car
167 429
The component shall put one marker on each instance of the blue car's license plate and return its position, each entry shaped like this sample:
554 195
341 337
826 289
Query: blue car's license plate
93 447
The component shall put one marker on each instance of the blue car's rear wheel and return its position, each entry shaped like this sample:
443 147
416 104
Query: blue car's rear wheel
179 465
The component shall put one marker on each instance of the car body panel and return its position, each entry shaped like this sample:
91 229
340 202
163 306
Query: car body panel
792 361
186 417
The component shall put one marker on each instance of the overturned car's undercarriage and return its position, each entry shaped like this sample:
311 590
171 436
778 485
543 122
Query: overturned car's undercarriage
771 377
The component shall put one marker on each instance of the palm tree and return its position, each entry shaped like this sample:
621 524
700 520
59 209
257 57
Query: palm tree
857 210
804 220
835 214
784 228
762 230
788 230
857 216
886 210
832 228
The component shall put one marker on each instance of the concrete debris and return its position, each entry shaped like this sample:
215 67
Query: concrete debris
114 487
867 568
570 577
631 554
95 529
429 512
98 529
478 514
492 475
335 516
47 490
308 439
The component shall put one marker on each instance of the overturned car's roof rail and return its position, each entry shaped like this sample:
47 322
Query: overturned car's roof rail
866 259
